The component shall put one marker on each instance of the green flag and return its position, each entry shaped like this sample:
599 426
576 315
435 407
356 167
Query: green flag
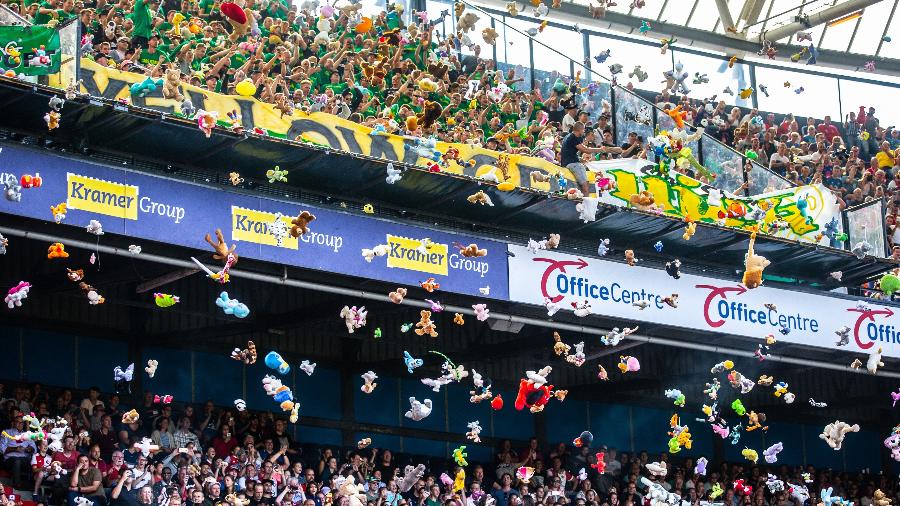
29 50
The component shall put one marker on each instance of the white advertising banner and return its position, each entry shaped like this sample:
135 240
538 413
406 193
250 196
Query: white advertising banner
617 290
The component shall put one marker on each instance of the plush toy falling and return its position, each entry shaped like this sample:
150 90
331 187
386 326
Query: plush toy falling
16 294
430 285
418 410
425 326
393 174
470 251
753 266
482 312
221 250
534 392
94 297
874 361
474 431
771 453
369 384
277 175
206 121
378 251
300 224
122 378
581 309
629 364
834 433
525 474
247 355
232 306
274 361
353 318
151 367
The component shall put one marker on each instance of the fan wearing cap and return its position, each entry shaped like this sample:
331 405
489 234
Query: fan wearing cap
571 116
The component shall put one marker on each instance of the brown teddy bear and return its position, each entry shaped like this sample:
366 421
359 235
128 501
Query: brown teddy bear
643 200
489 35
879 499
753 266
397 295
172 85
438 69
629 257
425 325
300 224
221 247
471 251
431 112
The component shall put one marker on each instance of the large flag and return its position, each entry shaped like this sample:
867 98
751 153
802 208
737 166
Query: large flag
29 50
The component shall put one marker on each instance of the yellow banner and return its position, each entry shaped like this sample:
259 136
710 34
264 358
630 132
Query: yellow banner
406 253
317 127
103 197
251 225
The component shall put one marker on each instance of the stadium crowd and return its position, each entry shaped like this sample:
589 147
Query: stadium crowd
210 456
405 78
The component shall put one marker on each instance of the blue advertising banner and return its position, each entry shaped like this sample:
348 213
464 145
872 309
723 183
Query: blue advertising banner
181 213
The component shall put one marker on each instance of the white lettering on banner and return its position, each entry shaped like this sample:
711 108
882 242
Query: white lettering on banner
148 206
705 304
462 263
332 241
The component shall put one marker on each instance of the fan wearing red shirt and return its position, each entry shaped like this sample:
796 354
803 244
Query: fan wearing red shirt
828 128
69 456
224 442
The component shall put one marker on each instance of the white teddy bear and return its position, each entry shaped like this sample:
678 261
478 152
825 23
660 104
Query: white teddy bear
418 410
834 433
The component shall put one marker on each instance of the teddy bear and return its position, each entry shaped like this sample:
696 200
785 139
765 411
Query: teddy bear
324 26
369 384
471 250
418 410
172 84
629 257
410 476
753 266
879 499
489 35
397 295
351 490
425 325
467 22
438 69
480 198
300 224
222 251
430 113
52 119
834 433
643 200
238 17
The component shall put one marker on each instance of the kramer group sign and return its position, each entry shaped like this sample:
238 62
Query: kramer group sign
708 304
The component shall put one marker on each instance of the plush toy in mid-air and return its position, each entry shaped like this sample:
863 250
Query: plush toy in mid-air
232 306
418 410
834 433
753 266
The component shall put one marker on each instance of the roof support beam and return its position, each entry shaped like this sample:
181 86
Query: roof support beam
725 15
816 19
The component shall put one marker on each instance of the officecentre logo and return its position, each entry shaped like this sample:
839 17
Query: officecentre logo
873 330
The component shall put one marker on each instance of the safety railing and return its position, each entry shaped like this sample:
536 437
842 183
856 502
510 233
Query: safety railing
865 224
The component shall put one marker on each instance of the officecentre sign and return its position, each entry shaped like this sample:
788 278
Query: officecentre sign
617 290
181 213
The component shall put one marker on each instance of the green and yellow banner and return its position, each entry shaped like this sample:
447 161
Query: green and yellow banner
29 50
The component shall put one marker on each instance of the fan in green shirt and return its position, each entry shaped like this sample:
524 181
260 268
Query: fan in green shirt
142 19
42 18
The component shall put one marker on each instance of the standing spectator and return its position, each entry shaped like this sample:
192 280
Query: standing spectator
828 128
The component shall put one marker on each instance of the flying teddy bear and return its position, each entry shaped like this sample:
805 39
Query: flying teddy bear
430 113
879 499
425 325
643 200
369 384
410 476
418 410
466 22
471 251
397 295
172 84
753 266
480 198
834 433
300 224
222 251
489 35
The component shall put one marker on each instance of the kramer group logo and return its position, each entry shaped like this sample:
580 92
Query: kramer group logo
874 331
251 225
415 255
103 197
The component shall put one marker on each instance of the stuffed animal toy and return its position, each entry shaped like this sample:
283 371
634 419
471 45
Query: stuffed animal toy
4 242
880 499
232 306
187 107
410 476
429 285
130 417
425 325
238 17
13 192
578 358
134 249
247 355
363 443
629 364
474 431
418 410
206 121
771 453
861 249
629 257
17 294
369 384
874 361
352 491
94 227
560 348
672 268
222 251
274 361
393 175
278 229
489 35
658 469
581 309
29 181
471 251
753 266
466 22
151 367
378 251
534 392
834 433
480 198
689 230
512 9
482 312
163 300
94 298
397 295
52 120
172 84
643 200
430 113
458 319
354 318
754 420
300 224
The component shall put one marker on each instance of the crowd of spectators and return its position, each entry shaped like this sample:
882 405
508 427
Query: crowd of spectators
389 70
210 456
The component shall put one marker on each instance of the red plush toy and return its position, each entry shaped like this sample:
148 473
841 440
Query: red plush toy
741 489
600 466
237 17
532 395
29 181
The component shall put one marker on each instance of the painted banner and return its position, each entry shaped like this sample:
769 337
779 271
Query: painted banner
616 290
682 196
176 212
320 128
29 50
